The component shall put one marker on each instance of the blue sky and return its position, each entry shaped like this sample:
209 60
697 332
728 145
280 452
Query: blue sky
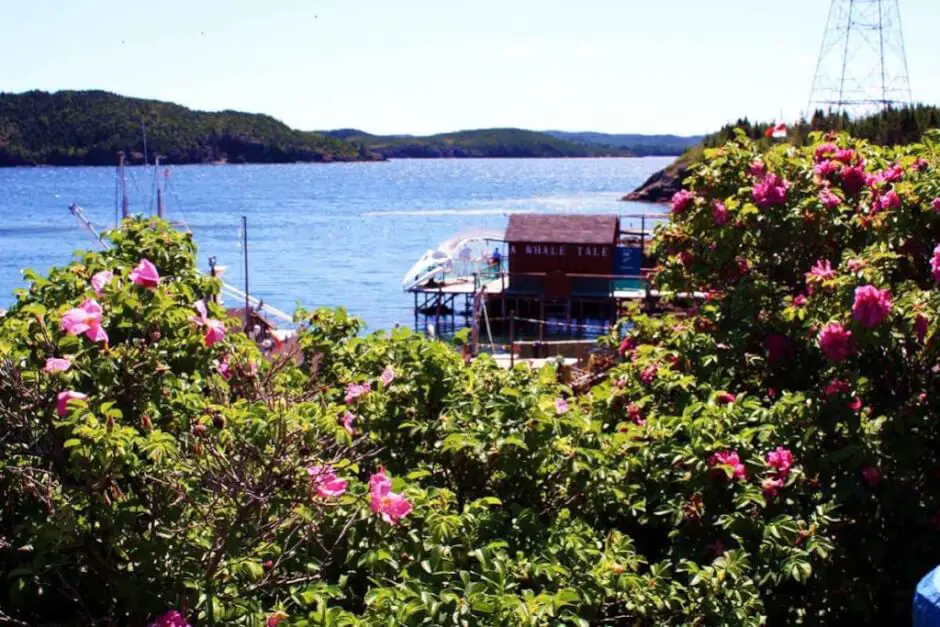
424 66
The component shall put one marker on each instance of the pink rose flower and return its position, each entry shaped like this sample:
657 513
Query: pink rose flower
648 375
627 345
837 386
836 342
854 265
770 485
780 459
388 375
171 619
872 306
681 200
770 191
853 179
855 404
57 364
822 271
275 619
826 168
935 205
935 264
356 390
888 200
636 414
799 300
325 482
561 406
100 280
893 174
86 318
725 398
919 165
145 274
390 506
215 329
829 200
729 458
347 421
825 151
719 213
215 332
757 168
224 368
62 401
846 156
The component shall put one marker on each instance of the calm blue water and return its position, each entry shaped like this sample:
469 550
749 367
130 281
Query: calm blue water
339 234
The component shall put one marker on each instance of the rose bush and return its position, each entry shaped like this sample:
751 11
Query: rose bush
838 279
768 459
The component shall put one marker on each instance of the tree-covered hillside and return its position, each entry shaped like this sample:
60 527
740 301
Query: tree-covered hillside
90 127
891 127
494 142
640 145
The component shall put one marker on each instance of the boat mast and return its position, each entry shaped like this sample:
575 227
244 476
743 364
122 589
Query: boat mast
156 175
125 205
245 252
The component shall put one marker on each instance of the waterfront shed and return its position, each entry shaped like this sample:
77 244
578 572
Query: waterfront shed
569 244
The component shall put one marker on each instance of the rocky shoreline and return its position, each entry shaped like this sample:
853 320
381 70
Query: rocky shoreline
661 185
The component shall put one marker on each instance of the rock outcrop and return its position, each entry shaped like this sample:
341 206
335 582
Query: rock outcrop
662 185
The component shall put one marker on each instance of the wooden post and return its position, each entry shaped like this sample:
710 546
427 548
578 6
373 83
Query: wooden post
542 318
642 238
512 338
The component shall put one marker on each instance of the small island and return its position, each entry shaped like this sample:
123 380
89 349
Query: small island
514 143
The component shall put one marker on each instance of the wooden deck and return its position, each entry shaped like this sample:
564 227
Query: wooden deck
495 287
459 286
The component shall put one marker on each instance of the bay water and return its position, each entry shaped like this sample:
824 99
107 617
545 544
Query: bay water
318 235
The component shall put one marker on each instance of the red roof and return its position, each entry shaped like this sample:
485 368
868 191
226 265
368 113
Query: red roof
562 229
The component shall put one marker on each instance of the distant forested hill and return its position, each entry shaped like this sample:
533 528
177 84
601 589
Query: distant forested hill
89 127
640 145
493 142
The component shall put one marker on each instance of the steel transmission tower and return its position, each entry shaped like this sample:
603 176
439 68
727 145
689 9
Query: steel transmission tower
862 66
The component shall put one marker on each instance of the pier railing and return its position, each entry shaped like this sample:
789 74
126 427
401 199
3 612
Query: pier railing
641 281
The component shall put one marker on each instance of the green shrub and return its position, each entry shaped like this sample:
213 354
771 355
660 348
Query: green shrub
727 472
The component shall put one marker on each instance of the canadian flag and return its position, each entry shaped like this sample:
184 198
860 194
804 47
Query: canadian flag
777 131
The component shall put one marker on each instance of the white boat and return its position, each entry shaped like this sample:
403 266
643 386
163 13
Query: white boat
455 259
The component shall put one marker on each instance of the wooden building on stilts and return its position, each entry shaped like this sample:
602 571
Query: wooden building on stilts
548 285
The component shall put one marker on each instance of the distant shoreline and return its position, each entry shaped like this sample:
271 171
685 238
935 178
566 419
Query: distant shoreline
333 162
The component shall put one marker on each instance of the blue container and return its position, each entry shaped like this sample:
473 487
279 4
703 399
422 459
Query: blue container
927 600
